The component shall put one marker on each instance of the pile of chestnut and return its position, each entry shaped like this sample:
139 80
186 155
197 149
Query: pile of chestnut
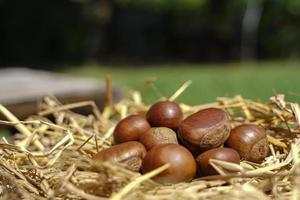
144 144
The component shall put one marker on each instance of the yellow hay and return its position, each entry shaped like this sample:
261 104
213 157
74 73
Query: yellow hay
52 159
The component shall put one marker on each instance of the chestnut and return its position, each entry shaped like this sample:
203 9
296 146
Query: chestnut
224 154
182 163
206 129
250 141
158 135
165 114
129 154
130 128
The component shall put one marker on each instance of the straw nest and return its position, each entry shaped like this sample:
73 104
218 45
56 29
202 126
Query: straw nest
50 156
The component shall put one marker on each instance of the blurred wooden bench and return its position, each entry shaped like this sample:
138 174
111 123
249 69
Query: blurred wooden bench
21 89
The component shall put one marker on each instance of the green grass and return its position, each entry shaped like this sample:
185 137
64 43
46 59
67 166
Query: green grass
5 133
256 81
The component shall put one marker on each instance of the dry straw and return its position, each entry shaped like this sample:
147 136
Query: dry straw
50 156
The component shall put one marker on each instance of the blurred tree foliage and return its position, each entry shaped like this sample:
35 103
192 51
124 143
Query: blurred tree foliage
35 31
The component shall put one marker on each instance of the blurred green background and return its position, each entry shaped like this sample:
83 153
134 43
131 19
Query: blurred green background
247 47
229 47
50 32
257 81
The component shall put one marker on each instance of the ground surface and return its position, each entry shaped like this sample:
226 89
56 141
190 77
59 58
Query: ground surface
256 81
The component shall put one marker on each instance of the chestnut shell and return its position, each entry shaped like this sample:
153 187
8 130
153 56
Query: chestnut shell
130 154
206 129
158 135
165 114
130 128
250 141
224 154
182 163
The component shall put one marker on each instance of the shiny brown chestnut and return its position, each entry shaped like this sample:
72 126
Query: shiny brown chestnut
205 129
130 128
158 135
129 154
165 114
182 163
224 154
250 141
